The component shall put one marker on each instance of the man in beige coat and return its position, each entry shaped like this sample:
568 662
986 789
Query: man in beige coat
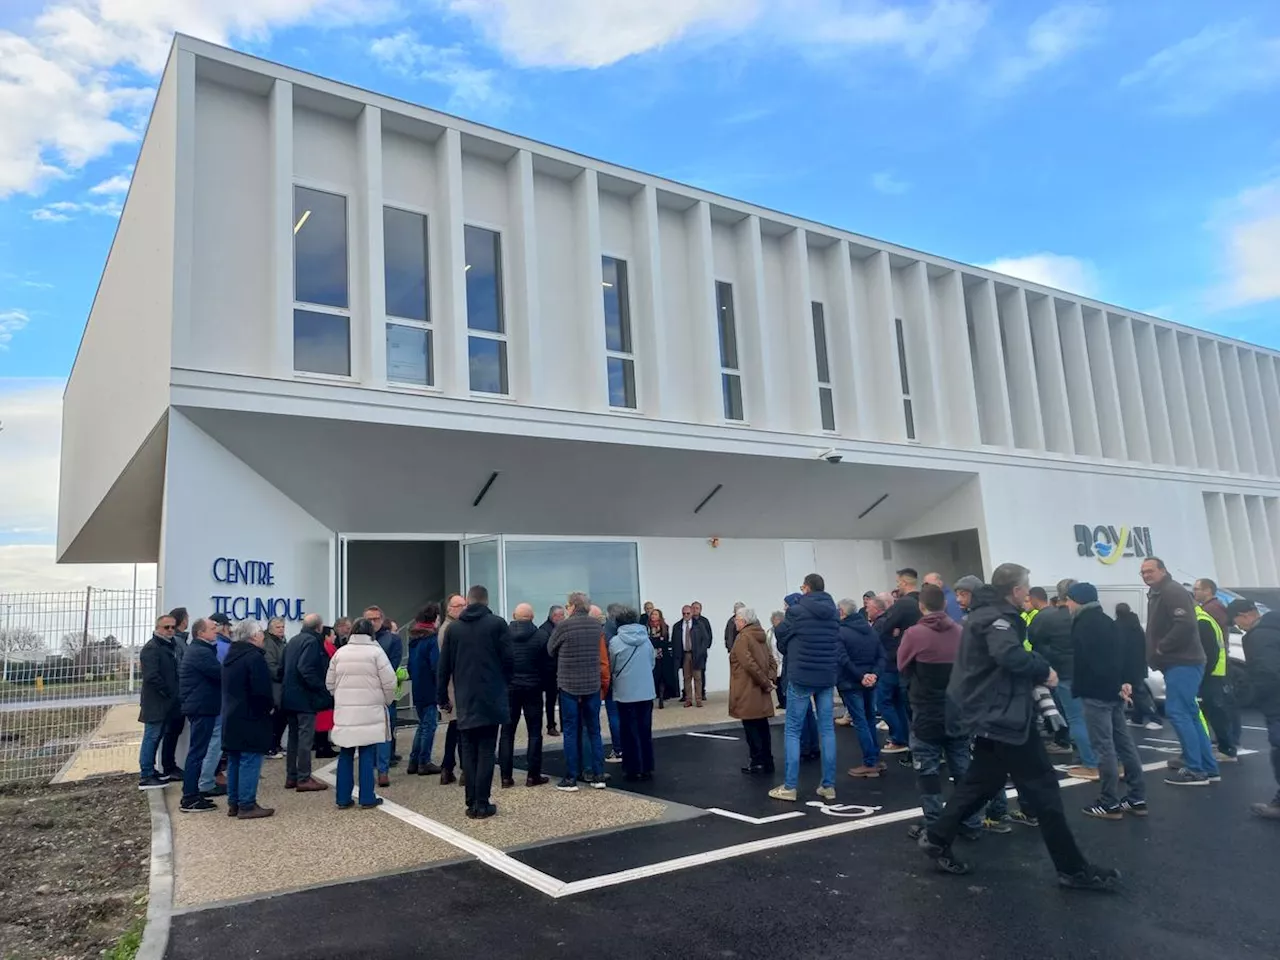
363 686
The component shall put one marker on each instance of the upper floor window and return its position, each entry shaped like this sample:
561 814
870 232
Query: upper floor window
730 374
619 352
825 399
908 414
487 339
321 286
409 333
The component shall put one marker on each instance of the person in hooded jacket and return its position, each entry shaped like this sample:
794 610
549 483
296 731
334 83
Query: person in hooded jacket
1133 641
809 729
860 669
809 639
752 670
1049 634
524 698
246 719
424 656
200 685
363 685
631 660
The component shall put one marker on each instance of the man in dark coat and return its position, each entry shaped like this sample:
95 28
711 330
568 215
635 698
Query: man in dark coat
1049 633
891 691
479 661
1262 654
524 697
691 640
160 710
181 638
704 629
247 702
393 646
861 664
200 686
550 690
304 695
730 628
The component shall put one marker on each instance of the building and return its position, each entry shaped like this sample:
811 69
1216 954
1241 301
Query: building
347 349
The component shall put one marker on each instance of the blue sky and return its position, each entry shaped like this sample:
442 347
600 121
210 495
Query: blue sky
1128 150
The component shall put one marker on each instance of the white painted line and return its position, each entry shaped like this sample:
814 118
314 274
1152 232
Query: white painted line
710 736
1261 729
1158 740
756 821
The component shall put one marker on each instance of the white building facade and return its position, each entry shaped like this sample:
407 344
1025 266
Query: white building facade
349 350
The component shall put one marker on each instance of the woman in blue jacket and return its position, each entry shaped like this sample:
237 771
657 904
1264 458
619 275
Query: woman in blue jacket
424 656
631 659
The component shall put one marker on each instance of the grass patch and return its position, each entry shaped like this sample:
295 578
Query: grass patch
126 948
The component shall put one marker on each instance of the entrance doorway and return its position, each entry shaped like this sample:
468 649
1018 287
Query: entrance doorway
400 576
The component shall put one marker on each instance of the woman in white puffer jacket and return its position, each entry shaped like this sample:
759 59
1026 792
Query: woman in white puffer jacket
363 685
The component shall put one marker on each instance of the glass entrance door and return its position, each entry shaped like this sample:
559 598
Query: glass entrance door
482 564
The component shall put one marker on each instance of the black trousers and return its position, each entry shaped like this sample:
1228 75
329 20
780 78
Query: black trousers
529 704
552 696
759 742
1027 764
1218 707
477 746
450 759
279 723
169 743
635 721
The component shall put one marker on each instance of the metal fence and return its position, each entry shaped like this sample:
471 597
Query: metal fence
69 681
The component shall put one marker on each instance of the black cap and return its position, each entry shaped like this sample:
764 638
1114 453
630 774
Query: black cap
221 619
1240 605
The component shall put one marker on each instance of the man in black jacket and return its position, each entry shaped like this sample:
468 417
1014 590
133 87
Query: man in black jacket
304 695
991 687
200 685
891 691
524 696
730 628
1261 645
1049 633
550 691
1104 679
478 659
160 710
703 627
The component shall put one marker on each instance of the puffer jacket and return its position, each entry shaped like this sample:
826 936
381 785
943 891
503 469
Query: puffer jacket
530 657
1050 636
631 660
363 686
809 639
424 656
863 651
200 681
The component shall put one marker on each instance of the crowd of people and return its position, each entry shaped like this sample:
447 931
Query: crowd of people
992 679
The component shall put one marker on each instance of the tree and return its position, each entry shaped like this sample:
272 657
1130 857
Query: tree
20 640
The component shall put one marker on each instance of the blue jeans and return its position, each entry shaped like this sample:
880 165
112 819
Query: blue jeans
1073 711
386 748
425 737
797 706
152 734
1181 684
860 702
243 771
346 774
926 757
202 729
809 732
615 728
891 699
575 712
208 770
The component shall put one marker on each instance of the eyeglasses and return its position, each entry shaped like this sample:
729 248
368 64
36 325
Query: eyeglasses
167 626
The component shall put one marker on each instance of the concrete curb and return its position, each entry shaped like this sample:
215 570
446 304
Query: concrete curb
155 937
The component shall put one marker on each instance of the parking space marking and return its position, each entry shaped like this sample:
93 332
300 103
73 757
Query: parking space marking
755 821
1259 729
710 736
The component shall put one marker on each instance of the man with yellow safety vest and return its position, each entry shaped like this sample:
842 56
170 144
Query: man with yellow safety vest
1213 695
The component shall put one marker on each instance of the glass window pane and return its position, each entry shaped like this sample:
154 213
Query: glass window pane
910 418
404 244
617 306
728 329
828 408
488 361
545 572
731 385
319 247
622 383
820 343
480 564
321 343
484 279
902 356
409 355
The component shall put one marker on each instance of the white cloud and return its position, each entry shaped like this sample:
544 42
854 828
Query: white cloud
60 211
70 88
470 87
11 321
886 182
1250 230
1072 274
31 568
1051 38
1220 62
112 186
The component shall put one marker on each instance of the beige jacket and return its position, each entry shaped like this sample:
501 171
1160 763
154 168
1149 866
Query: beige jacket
363 686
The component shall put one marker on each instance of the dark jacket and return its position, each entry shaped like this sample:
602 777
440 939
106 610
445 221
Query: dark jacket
424 658
478 660
991 682
1050 636
182 640
304 672
391 645
530 658
863 652
160 700
548 662
273 650
1100 661
1262 657
809 638
575 644
200 680
1133 640
700 641
730 633
1172 638
246 700
891 625
925 659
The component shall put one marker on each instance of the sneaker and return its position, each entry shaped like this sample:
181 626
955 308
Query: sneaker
942 857
1185 778
599 782
996 826
377 802
1215 777
1136 807
152 783
1101 879
1103 812
891 747
863 771
1057 749
568 785
1177 763
197 805
826 793
783 793
173 773
1225 757
915 831
275 755
1152 725
1020 818
1267 811
217 791
1136 723
254 812
613 757
1083 773
845 721
881 725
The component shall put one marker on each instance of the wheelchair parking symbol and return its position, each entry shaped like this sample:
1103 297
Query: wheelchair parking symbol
847 810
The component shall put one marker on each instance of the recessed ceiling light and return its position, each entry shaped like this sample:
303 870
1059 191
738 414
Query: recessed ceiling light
466 268
605 283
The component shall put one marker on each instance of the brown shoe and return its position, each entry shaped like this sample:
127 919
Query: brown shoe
864 771
447 777
291 784
384 780
311 785
1083 773
254 812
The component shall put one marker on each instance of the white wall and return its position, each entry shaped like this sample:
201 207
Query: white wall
558 287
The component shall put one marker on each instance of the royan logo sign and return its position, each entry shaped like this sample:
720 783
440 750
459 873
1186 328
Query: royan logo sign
1109 544
251 573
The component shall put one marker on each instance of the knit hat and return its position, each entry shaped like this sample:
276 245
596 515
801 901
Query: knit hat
1082 593
970 583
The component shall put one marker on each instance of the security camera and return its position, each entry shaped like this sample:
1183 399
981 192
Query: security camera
831 455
